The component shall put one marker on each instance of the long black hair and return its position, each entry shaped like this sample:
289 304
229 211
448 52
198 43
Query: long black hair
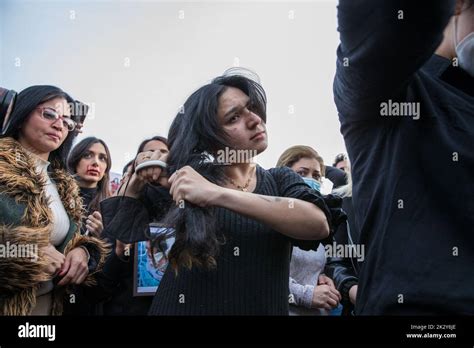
194 138
77 153
26 101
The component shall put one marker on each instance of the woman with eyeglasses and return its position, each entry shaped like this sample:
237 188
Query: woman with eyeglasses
40 207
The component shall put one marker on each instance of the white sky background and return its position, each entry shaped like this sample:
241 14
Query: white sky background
86 52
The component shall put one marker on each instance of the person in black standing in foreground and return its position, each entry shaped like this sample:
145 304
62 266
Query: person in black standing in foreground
258 213
407 116
89 162
116 282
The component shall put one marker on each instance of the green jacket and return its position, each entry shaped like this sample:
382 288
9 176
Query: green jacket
26 220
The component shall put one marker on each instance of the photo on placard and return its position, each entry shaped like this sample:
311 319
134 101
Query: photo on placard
150 265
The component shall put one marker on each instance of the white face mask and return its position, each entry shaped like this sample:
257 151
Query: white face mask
464 50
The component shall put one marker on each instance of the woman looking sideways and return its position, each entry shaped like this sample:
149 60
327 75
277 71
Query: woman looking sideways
235 222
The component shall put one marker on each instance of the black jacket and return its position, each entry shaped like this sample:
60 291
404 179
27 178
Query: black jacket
114 290
407 117
343 270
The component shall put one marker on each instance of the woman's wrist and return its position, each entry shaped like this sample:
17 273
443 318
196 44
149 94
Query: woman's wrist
88 255
220 196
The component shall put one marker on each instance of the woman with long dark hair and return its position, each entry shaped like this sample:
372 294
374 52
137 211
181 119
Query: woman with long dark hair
116 282
234 221
40 206
113 293
90 163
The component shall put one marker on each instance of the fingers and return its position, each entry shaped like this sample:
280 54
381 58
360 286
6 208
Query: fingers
150 175
78 269
97 215
324 279
163 181
336 292
66 267
94 223
331 303
177 191
93 227
67 278
334 295
330 293
55 258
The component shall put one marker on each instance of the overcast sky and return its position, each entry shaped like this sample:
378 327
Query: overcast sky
138 61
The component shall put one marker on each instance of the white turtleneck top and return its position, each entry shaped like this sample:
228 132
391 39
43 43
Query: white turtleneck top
60 217
60 227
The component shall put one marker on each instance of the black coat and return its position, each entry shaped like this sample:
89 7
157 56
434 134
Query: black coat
343 270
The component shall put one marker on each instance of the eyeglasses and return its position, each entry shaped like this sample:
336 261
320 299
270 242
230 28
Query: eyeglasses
52 115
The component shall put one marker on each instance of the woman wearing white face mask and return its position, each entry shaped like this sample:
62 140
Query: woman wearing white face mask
404 90
461 32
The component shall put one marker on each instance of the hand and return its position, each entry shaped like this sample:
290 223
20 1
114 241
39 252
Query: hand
79 126
75 269
325 296
55 260
189 185
94 224
324 279
155 173
353 294
135 182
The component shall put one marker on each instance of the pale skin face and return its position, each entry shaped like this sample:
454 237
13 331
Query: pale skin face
246 131
241 124
308 168
343 165
156 145
92 167
465 18
41 136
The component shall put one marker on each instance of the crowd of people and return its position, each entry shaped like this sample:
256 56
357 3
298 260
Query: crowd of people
249 240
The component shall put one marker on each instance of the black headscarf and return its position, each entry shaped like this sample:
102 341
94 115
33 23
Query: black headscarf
26 101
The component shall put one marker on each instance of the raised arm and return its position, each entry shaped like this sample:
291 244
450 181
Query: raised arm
289 215
383 43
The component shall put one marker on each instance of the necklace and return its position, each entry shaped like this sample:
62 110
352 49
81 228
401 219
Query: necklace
245 187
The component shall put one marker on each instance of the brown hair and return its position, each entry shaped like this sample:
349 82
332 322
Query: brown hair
295 153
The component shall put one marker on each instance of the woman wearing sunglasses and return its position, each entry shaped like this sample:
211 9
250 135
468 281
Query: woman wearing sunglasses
40 207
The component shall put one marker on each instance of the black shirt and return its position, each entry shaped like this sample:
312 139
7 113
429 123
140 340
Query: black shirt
413 191
252 273
87 195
